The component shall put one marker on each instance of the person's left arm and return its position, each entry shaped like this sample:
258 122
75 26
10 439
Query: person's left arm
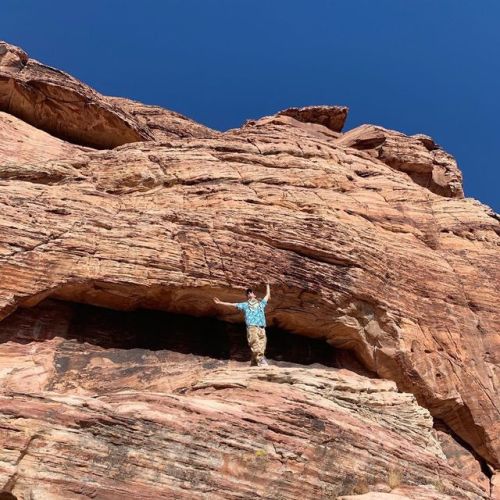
268 294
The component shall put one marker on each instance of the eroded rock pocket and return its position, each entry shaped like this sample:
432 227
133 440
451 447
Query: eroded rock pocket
104 349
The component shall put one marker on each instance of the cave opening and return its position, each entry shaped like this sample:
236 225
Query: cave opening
73 347
79 328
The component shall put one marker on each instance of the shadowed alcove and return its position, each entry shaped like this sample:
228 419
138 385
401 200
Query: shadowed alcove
82 328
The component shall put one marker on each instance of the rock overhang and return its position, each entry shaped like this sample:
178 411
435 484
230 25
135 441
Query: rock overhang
348 222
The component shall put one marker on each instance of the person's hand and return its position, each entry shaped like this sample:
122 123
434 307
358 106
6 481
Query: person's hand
217 301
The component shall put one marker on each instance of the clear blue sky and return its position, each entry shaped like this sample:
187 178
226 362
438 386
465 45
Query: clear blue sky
431 66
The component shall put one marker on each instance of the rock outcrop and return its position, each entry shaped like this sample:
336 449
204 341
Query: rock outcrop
56 102
331 117
419 156
91 412
364 236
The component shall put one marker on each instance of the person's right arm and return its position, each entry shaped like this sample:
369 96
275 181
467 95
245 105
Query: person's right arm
219 302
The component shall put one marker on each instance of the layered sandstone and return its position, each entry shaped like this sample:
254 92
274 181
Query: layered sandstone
419 156
56 102
331 117
111 404
364 236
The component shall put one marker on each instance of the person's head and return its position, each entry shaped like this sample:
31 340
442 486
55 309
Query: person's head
250 294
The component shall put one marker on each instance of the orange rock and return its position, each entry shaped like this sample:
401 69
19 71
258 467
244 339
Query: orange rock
97 402
419 156
67 108
331 117
364 236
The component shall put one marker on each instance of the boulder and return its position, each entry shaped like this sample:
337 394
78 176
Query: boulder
331 117
418 155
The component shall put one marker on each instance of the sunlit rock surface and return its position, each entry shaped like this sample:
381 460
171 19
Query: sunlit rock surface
418 155
364 236
100 403
67 108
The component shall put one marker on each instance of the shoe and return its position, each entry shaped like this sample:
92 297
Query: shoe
263 362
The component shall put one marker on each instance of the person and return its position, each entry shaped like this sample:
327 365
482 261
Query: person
255 320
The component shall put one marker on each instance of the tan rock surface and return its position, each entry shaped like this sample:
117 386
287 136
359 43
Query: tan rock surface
67 108
422 493
418 155
358 252
331 117
461 457
97 406
21 145
495 485
162 123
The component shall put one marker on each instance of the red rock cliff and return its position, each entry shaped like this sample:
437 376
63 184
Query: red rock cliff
369 246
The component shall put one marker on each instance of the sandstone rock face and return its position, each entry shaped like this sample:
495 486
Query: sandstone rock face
102 407
331 117
21 145
67 108
419 156
461 458
162 123
359 250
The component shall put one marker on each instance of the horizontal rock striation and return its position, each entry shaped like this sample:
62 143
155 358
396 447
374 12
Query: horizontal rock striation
364 236
331 117
21 145
56 102
419 156
92 408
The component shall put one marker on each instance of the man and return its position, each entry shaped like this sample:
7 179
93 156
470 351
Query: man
255 320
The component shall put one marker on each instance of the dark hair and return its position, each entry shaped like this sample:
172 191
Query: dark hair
249 290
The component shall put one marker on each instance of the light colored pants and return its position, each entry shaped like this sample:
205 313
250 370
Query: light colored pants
256 336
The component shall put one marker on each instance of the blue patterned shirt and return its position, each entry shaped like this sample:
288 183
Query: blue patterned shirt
256 316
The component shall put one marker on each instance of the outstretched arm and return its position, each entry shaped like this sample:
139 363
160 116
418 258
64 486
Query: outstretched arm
268 292
220 303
